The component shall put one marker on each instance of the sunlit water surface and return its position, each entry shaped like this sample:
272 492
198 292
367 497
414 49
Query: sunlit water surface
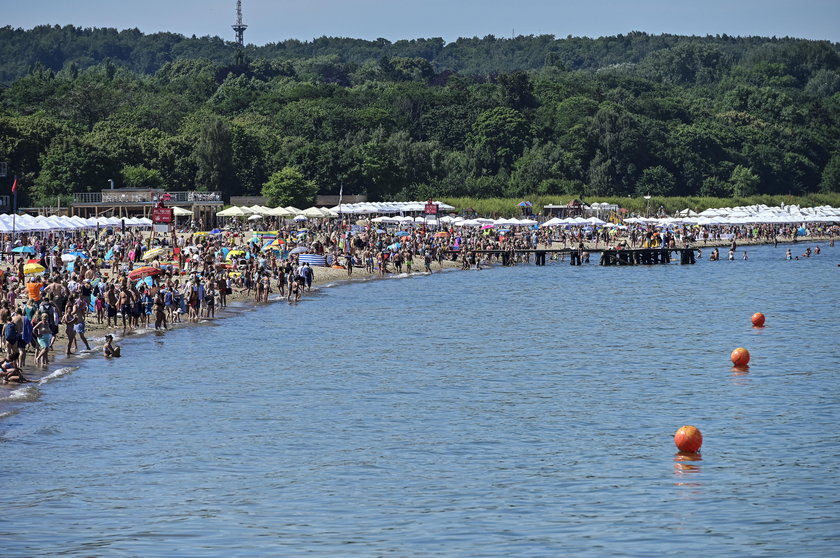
511 411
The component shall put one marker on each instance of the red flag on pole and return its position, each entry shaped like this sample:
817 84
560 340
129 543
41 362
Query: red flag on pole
14 186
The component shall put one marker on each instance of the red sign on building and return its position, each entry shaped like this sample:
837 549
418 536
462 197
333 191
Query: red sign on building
162 215
431 208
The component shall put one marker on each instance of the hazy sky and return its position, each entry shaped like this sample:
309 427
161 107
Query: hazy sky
276 20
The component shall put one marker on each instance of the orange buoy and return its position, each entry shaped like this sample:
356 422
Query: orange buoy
758 319
688 439
740 357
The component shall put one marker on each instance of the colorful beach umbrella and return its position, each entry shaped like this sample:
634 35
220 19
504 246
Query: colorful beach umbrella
143 272
33 268
149 255
24 250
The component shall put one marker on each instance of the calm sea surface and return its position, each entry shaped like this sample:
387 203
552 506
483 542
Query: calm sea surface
522 411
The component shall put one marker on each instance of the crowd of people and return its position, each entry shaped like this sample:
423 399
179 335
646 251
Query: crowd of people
127 280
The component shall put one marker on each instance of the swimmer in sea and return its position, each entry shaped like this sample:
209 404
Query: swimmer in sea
109 349
788 255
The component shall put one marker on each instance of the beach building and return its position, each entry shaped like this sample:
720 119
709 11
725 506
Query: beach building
139 202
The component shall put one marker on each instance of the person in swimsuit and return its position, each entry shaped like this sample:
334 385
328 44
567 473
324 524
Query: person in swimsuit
295 289
9 370
124 303
109 349
43 335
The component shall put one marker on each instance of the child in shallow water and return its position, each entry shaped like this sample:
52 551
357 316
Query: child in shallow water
9 371
109 349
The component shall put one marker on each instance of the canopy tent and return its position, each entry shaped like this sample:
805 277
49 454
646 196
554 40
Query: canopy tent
368 208
280 212
234 211
315 213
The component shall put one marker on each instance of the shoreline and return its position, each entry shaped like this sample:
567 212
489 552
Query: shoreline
238 302
62 364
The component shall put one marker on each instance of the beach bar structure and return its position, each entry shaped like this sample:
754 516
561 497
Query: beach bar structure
139 202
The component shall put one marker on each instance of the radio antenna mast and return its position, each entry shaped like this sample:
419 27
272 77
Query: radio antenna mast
239 27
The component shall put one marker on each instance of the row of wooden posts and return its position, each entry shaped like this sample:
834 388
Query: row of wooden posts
642 256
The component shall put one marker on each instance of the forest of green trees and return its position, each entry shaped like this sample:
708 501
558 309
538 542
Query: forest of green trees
626 115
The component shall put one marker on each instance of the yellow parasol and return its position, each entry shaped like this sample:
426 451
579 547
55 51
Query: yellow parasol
33 268
149 255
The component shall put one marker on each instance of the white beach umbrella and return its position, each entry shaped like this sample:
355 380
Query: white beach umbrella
233 211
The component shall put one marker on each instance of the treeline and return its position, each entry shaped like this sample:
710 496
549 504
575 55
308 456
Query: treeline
629 115
56 48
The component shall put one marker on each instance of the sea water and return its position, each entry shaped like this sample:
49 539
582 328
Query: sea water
509 411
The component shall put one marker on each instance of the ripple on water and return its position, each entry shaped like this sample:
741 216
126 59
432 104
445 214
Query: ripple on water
518 411
59 373
28 392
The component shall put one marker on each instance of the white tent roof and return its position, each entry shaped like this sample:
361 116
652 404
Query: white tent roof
234 211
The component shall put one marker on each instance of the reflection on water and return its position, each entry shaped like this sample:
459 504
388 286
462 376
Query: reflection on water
685 463
740 375
455 414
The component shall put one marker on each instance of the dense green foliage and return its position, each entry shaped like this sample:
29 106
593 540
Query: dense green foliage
617 116
288 187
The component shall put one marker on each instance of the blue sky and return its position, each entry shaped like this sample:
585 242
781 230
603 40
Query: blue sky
276 20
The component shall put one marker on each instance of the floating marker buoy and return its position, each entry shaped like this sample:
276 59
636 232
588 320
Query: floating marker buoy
688 439
740 357
758 319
